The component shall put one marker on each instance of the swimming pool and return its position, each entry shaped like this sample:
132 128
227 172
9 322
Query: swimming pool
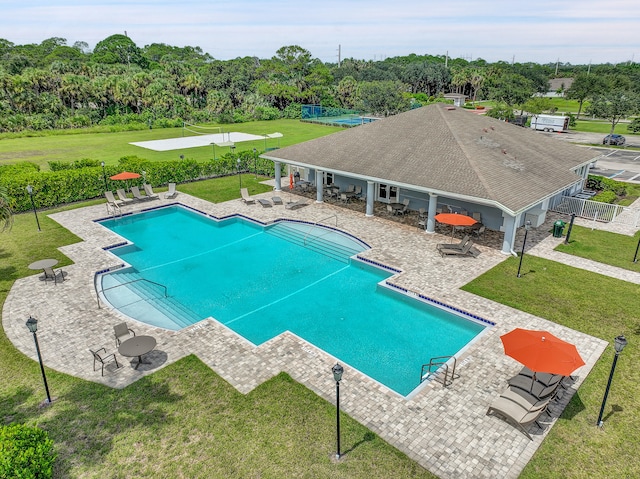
259 285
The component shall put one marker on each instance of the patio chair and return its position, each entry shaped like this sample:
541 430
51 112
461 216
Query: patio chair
297 204
344 198
149 191
135 191
264 203
111 199
122 333
276 200
123 196
101 356
536 388
51 274
459 245
517 414
171 192
479 231
248 200
467 250
477 216
350 189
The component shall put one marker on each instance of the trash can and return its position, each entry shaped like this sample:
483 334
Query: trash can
558 227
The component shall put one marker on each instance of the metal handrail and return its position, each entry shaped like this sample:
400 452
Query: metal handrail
129 282
317 223
433 362
116 208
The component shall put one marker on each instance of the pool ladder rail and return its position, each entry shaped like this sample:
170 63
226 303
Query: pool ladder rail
435 368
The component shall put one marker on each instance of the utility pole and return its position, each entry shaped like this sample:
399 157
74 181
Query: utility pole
339 48
446 59
557 62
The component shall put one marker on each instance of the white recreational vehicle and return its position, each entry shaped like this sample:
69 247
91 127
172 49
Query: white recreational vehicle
550 123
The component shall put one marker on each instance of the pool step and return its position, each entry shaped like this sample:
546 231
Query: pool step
145 301
321 240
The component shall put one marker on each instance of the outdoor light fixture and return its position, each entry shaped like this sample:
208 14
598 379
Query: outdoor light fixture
33 204
32 326
255 162
635 256
337 375
239 175
527 225
619 343
104 175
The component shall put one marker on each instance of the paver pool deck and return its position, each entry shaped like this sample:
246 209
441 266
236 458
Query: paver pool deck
446 430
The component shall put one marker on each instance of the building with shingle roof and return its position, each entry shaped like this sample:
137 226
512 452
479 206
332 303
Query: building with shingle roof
440 154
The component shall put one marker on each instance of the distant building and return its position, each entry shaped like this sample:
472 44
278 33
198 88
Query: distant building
557 85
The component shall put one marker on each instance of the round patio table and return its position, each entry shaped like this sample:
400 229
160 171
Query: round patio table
43 263
137 346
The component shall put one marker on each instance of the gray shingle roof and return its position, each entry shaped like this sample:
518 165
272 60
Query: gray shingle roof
443 149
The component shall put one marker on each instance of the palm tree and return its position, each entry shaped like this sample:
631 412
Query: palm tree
6 215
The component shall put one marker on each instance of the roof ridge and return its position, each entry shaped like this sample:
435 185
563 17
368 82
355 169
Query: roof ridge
471 164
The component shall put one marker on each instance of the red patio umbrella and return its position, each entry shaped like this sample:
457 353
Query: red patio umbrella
125 175
454 220
541 351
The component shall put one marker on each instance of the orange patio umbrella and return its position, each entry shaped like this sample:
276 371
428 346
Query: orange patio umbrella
541 351
290 181
125 175
454 220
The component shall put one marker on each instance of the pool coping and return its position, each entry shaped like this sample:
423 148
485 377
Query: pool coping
446 430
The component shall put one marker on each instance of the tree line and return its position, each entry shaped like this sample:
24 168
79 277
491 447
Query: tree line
56 85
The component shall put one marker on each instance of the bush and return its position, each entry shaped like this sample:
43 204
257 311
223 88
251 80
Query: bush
25 452
634 126
605 197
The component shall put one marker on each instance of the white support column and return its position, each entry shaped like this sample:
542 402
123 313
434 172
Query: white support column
509 226
278 175
433 205
319 178
371 186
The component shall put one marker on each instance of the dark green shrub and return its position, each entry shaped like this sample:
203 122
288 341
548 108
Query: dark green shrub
605 197
634 126
25 453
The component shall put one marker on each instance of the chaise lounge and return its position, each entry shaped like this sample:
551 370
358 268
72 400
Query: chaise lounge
264 203
248 200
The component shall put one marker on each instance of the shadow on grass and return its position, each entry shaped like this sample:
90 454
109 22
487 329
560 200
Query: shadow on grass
574 407
368 436
614 409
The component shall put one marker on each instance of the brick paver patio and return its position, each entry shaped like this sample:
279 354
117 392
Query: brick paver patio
446 430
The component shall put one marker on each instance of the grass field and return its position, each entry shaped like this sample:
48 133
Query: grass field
110 147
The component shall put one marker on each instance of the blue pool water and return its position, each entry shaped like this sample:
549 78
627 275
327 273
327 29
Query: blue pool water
261 285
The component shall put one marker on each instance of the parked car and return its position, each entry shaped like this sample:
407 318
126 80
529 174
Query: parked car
615 140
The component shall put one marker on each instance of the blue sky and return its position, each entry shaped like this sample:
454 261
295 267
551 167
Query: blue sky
543 31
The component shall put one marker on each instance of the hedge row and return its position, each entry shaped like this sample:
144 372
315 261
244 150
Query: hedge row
79 182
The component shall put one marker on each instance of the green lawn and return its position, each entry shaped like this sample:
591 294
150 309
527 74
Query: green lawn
184 420
603 247
110 147
599 306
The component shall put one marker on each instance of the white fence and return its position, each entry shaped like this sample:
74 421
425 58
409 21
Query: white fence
593 210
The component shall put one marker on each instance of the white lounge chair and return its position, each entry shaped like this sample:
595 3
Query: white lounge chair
171 192
123 196
248 200
111 199
149 191
135 191
296 204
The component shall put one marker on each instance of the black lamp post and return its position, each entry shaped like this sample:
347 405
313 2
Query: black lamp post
337 375
255 162
635 256
32 325
527 225
104 176
33 204
239 175
619 343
